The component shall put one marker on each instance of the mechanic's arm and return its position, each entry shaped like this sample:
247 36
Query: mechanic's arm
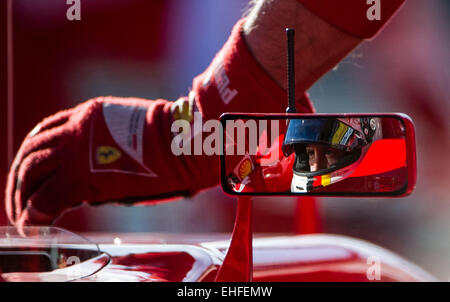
120 149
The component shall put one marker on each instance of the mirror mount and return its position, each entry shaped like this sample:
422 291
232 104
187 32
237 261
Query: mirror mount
290 34
238 263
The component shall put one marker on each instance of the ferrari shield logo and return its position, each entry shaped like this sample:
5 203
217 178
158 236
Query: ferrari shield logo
107 154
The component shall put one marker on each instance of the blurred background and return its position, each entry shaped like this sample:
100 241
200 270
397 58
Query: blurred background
153 49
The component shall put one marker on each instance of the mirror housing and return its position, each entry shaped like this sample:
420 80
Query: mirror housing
366 155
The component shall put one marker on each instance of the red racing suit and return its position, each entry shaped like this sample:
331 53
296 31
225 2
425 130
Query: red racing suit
121 149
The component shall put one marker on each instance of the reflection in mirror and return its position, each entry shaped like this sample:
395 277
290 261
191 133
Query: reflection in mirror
326 155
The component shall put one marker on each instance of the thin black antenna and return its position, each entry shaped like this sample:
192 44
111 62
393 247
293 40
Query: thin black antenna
290 32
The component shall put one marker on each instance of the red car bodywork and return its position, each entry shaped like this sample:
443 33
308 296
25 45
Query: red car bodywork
325 258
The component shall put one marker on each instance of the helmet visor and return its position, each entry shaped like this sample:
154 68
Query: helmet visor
326 131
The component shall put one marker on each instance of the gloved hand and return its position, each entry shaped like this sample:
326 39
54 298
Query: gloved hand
93 152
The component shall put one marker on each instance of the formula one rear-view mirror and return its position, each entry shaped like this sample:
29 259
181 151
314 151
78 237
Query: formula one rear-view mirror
318 154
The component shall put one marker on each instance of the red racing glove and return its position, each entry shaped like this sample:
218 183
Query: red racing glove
115 149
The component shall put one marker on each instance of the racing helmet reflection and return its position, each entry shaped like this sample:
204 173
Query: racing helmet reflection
327 150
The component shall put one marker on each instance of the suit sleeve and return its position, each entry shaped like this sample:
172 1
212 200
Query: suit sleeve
359 18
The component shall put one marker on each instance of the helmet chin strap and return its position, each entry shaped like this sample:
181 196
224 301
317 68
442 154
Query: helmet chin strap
238 263
299 184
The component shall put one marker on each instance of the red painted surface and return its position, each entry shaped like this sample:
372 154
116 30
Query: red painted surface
169 266
238 263
391 151
299 258
304 258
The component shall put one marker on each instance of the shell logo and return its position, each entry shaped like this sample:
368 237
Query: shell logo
245 169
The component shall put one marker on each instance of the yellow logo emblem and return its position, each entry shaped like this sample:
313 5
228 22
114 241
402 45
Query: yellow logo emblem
183 109
107 154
